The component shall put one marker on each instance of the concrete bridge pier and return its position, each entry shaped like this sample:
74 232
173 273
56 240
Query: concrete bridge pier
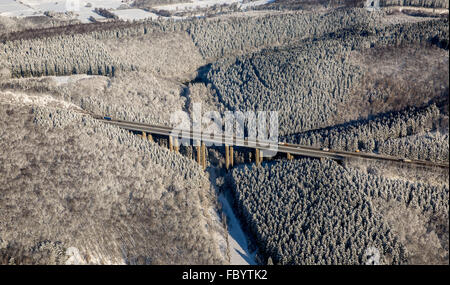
170 143
227 157
203 156
257 157
176 145
197 148
231 156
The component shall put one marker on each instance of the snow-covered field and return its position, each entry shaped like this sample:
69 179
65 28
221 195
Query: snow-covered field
71 5
84 9
245 6
13 8
134 14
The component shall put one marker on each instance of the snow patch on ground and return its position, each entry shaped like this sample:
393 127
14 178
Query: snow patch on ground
245 6
239 252
19 98
60 80
134 14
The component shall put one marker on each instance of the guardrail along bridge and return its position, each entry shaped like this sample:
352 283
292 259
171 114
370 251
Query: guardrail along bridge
291 150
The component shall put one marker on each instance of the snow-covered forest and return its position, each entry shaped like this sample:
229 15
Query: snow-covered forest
113 196
340 76
311 212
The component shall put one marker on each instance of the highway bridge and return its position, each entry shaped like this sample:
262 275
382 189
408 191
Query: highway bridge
259 145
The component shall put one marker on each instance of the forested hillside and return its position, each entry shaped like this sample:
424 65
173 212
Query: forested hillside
213 37
317 84
27 57
416 3
321 4
395 78
312 212
222 37
427 146
113 196
132 96
307 83
403 134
